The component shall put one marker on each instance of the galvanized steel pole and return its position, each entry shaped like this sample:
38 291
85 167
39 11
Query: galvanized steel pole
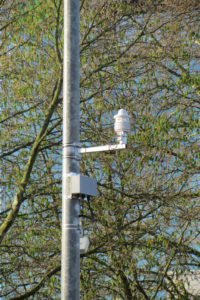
70 256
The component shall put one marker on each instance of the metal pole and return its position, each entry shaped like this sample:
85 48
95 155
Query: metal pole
70 256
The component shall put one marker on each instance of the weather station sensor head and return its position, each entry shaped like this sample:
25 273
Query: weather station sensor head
122 126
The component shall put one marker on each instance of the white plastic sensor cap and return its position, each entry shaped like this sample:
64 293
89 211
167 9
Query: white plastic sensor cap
122 123
84 244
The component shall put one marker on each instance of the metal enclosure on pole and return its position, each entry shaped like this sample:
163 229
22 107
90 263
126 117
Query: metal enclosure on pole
70 253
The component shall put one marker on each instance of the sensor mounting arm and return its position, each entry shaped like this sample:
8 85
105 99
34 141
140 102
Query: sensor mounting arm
103 148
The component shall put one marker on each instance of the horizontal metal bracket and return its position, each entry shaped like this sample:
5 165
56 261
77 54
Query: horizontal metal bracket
103 148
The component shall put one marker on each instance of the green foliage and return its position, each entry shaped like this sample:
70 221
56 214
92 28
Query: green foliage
145 228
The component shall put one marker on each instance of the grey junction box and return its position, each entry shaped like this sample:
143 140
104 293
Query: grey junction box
83 185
